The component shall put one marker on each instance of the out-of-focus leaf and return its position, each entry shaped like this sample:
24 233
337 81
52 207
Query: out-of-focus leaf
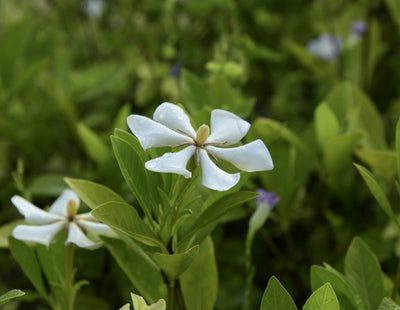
10 295
193 91
94 146
326 123
47 185
388 304
123 113
382 162
6 231
394 9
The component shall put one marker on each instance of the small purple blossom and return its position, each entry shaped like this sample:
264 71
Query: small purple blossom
326 46
176 70
270 199
359 28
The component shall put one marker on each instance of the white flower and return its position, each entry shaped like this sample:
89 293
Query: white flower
326 46
171 127
62 215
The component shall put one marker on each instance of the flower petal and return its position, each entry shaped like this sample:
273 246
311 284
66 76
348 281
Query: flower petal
227 127
76 236
154 134
41 234
174 118
172 162
96 227
33 214
215 178
250 157
59 206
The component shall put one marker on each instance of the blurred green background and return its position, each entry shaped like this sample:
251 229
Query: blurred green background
71 71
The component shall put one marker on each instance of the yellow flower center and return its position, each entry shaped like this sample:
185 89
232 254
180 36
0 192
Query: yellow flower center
72 209
202 134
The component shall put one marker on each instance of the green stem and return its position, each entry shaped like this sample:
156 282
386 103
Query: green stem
69 277
171 295
396 284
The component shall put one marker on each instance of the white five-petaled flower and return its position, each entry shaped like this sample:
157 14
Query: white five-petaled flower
62 215
171 127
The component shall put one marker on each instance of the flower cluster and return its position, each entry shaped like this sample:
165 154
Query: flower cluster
171 127
62 215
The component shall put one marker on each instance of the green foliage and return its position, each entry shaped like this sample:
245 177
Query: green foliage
10 295
323 298
276 297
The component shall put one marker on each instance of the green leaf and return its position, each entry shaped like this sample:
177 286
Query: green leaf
276 297
377 192
93 194
176 264
125 307
323 298
47 185
394 9
132 167
363 271
388 304
6 232
397 139
382 162
213 213
123 113
27 260
200 281
342 288
338 150
326 123
193 91
10 295
94 146
138 267
124 218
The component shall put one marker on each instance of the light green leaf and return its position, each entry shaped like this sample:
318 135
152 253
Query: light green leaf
200 281
93 194
388 304
326 123
193 91
337 152
138 267
94 146
364 273
343 289
10 295
323 298
27 260
125 307
124 218
377 192
6 232
123 113
382 162
276 297
140 304
176 264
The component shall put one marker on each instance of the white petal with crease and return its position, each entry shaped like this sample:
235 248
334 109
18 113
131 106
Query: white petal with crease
250 157
215 178
76 236
154 134
227 127
60 205
173 117
172 162
33 214
98 228
41 234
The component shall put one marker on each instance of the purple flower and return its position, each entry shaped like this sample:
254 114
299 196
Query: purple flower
326 46
359 27
270 199
176 70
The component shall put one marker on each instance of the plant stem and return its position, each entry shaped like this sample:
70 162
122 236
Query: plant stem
396 284
69 277
171 295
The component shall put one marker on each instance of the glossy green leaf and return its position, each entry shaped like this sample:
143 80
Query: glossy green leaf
94 146
388 304
364 273
344 292
141 270
26 258
276 297
326 123
10 295
93 194
124 218
323 298
200 281
377 192
133 169
176 264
